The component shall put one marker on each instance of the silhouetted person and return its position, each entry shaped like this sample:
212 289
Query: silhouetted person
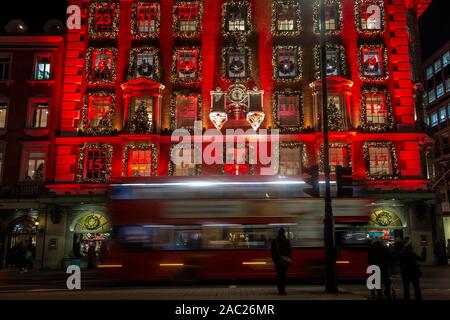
410 270
91 256
380 256
282 258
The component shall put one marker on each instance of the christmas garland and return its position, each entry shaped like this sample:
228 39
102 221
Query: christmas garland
89 68
225 65
176 22
275 63
134 26
92 15
347 146
385 74
389 124
288 129
297 23
156 74
106 130
198 72
343 70
173 108
316 17
171 169
293 145
141 146
241 4
96 146
357 8
381 144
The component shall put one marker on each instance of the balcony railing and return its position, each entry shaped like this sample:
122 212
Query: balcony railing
23 191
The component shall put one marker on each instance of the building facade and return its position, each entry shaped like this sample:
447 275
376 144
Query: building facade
437 89
138 70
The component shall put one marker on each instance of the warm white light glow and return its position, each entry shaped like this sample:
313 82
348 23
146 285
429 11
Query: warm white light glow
255 118
218 119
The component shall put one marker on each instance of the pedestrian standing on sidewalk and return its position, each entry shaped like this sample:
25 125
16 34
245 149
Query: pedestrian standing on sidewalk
379 255
410 270
282 258
91 256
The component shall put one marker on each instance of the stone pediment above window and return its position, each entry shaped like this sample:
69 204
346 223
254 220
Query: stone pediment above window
142 84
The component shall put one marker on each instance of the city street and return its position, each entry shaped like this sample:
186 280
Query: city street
40 286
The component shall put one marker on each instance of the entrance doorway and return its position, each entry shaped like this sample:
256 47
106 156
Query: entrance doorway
385 225
21 249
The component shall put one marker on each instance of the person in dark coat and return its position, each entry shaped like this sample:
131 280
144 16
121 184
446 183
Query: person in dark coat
91 256
380 256
410 271
281 257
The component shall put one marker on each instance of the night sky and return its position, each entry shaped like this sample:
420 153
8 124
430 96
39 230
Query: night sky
434 24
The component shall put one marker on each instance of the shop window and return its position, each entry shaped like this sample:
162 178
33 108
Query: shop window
187 65
288 107
147 16
186 110
187 18
95 166
287 17
42 69
291 160
38 114
376 109
287 63
35 166
439 90
102 66
380 161
140 163
236 63
99 111
236 17
372 62
371 16
5 66
3 113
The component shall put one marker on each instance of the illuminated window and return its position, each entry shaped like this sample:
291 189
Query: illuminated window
376 109
188 168
380 161
286 16
335 113
372 63
3 113
140 163
104 19
333 62
141 115
95 166
236 64
447 85
438 65
287 63
439 90
147 16
187 16
332 17
5 66
39 114
442 115
290 161
236 17
42 69
187 64
145 65
99 111
186 110
434 119
102 68
288 109
35 166
371 16
446 59
338 157
429 72
431 96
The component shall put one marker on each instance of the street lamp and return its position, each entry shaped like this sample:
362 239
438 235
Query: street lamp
330 253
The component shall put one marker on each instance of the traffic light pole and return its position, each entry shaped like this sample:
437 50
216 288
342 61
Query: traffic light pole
330 253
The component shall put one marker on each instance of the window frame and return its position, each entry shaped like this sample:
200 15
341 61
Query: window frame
7 101
27 150
383 61
359 4
276 111
10 56
31 108
241 51
176 62
82 161
177 22
393 160
135 24
37 58
130 148
110 33
297 60
297 21
133 63
303 156
174 109
246 20
389 118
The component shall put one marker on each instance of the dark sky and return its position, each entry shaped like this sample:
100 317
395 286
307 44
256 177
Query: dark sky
434 23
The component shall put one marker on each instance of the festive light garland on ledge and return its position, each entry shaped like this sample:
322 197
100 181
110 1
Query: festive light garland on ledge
156 74
316 17
97 146
248 20
171 168
107 130
298 28
377 127
248 65
114 6
357 8
275 62
301 121
187 81
173 108
381 144
141 146
178 33
344 145
372 79
134 26
343 69
89 66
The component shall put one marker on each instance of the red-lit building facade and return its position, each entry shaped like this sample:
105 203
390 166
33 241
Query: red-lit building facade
138 70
